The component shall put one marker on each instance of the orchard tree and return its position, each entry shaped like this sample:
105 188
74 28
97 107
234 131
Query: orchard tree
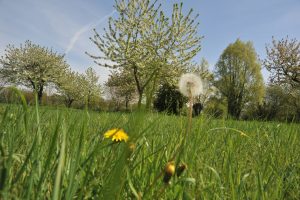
32 65
70 87
121 87
283 62
238 76
146 43
91 86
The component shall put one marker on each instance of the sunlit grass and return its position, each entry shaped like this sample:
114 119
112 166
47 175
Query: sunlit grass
62 154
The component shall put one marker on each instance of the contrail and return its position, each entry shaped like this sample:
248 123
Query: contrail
84 29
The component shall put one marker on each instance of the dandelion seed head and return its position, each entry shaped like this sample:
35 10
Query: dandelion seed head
190 85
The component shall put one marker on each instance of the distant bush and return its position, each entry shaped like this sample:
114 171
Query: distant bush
169 99
215 107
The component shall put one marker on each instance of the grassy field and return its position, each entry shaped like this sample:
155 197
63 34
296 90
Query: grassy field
49 153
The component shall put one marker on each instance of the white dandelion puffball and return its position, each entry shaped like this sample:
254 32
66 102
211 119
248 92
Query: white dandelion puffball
190 85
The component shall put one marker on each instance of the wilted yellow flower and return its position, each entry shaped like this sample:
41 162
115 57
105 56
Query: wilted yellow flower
180 169
169 171
116 135
131 146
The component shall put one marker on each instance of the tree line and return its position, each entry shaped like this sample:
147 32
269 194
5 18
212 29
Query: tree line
35 67
147 51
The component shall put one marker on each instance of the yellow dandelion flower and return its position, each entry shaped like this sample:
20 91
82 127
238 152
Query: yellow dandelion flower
116 135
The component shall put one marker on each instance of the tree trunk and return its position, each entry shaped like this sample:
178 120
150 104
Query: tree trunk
140 99
69 102
37 89
140 89
150 93
126 103
89 99
40 93
234 108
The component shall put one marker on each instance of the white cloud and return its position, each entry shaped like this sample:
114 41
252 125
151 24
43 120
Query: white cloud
84 29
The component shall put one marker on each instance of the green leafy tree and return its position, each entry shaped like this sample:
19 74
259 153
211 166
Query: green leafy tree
278 104
283 62
238 76
32 66
216 107
143 41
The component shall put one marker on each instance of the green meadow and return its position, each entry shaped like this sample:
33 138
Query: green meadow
57 153
149 100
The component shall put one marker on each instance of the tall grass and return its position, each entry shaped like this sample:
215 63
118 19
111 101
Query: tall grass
51 153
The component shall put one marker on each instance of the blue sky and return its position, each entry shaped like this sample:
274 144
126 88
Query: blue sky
66 25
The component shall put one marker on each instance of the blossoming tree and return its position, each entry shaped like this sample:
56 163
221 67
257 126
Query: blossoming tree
70 87
32 65
146 43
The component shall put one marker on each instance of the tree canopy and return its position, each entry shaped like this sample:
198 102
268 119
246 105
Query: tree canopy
238 76
70 87
146 43
91 86
121 88
32 65
283 61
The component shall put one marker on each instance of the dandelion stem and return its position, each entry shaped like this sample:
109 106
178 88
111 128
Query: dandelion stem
190 115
